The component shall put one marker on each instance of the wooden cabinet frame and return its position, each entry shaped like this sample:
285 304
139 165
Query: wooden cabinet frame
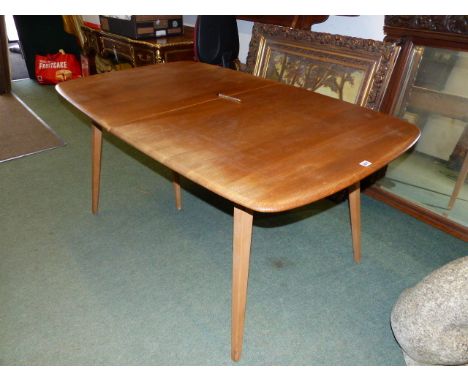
447 32
5 81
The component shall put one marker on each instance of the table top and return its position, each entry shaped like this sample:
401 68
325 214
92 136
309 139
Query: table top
270 148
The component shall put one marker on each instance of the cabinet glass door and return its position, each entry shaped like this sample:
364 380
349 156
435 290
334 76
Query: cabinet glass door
435 98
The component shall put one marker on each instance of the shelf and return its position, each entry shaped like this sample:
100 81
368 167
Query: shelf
432 101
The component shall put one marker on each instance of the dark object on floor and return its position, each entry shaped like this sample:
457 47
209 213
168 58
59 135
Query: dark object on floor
23 133
217 40
43 35
15 49
430 320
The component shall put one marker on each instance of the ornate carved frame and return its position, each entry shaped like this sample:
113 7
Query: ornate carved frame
376 58
440 24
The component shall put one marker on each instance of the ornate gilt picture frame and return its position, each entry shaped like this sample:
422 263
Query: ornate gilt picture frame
351 69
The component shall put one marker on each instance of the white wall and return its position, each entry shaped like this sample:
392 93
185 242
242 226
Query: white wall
359 26
91 19
11 28
190 20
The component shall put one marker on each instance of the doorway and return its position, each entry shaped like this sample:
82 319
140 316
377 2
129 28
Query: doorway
18 68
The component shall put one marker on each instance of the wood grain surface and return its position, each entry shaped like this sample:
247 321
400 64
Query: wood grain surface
276 148
263 145
116 98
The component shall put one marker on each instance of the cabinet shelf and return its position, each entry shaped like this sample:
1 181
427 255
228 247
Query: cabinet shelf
433 101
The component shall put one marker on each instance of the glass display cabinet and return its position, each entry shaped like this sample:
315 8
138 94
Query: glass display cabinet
430 89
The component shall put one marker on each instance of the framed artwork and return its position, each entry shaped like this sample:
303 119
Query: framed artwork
351 69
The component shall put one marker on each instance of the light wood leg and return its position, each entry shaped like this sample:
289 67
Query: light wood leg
460 182
355 213
240 274
178 195
96 167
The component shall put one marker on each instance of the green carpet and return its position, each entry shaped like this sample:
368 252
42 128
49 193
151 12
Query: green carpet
144 284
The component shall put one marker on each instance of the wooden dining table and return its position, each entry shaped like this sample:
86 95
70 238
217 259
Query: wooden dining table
265 146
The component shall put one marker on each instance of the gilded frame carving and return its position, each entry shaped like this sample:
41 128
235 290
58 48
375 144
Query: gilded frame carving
456 24
348 68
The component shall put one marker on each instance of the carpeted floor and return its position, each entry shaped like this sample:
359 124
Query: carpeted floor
21 132
144 284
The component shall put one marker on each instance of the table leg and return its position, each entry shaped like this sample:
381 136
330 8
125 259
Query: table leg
96 166
176 184
355 213
460 182
240 274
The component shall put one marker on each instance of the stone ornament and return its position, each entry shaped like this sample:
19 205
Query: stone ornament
430 320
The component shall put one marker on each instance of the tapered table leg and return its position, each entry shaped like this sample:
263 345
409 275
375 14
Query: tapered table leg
178 195
460 182
96 167
355 213
240 274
